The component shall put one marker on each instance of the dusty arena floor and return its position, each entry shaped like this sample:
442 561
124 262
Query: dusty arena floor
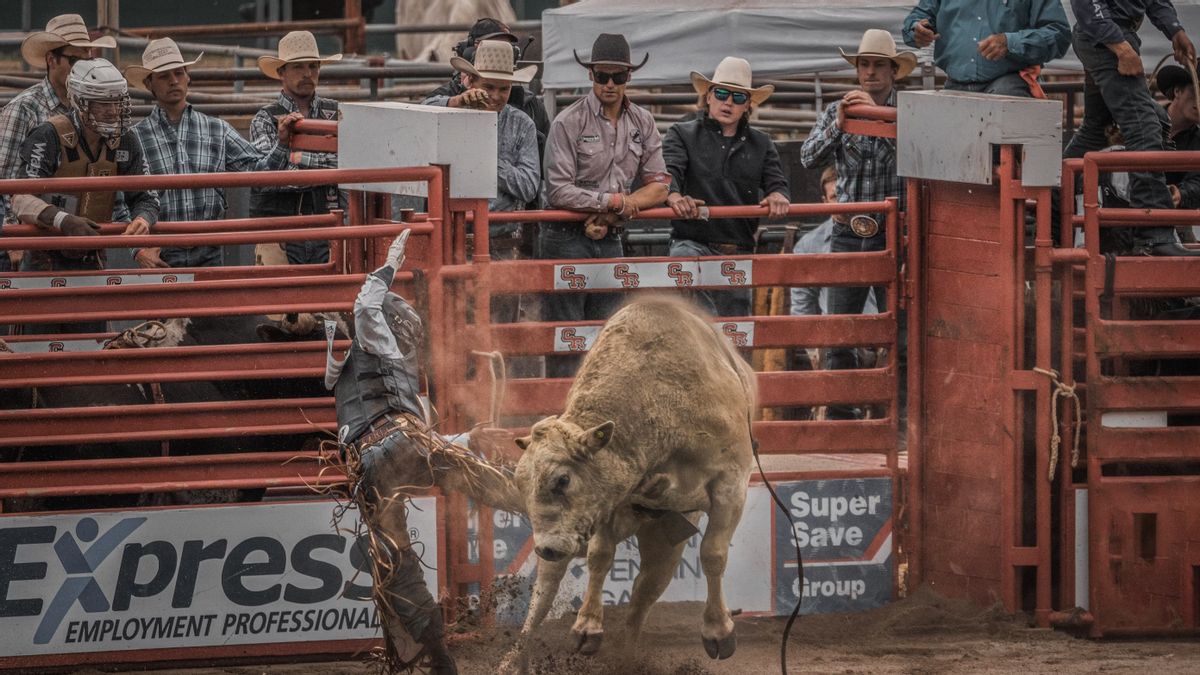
922 634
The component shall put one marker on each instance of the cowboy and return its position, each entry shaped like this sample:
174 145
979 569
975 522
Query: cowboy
1115 90
1183 110
518 174
866 172
603 156
92 140
990 47
65 41
520 98
298 68
377 394
176 138
718 158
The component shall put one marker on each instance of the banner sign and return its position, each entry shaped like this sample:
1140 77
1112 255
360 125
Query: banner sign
581 338
92 280
193 577
844 528
41 346
627 275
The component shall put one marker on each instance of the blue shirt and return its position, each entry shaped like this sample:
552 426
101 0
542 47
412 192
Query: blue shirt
1099 19
1036 30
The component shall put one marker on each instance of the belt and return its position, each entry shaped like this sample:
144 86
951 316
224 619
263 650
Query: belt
577 228
730 249
380 429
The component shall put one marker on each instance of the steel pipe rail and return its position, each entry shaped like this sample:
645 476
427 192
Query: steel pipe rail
665 213
1157 160
200 226
329 73
221 180
388 28
315 26
59 242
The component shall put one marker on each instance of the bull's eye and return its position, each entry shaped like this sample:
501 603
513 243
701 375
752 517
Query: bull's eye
560 484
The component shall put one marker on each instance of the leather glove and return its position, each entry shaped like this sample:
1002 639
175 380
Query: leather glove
78 226
395 254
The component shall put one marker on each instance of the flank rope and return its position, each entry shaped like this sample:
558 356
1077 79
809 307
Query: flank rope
1065 391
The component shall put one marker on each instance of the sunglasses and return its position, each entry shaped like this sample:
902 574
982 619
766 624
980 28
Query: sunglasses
739 97
616 78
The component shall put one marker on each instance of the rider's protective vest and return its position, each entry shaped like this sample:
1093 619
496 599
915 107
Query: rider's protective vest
74 163
370 387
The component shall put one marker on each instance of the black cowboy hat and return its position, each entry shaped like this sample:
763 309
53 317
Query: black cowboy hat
610 50
1171 76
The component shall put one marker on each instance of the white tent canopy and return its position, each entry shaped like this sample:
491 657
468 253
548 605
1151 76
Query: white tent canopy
778 37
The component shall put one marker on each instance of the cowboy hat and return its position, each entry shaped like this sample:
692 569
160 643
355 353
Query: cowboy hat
879 42
732 73
66 30
295 47
494 61
610 50
159 56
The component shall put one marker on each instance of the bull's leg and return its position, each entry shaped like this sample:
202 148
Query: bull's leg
716 632
589 622
545 588
660 559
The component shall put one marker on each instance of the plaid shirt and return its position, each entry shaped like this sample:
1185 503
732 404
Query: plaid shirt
23 114
200 144
264 134
866 165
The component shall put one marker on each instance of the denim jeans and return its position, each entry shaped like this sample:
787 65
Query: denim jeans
733 303
51 261
1110 97
1011 84
566 241
193 256
850 300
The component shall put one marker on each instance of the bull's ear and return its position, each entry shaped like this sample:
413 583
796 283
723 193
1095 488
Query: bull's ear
598 436
523 442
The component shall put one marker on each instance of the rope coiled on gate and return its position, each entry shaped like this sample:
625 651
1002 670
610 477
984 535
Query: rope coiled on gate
1065 391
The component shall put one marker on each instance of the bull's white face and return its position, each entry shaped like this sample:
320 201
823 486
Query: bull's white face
564 488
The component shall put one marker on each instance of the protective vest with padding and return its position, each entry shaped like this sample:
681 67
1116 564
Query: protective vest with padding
74 163
370 387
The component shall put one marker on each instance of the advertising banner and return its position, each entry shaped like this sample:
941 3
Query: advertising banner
626 275
581 338
192 577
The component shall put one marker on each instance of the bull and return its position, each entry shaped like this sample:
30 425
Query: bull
656 429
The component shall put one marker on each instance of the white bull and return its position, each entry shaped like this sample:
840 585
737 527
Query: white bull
658 420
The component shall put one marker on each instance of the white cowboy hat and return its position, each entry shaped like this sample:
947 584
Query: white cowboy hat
494 61
160 55
295 47
65 30
733 73
879 42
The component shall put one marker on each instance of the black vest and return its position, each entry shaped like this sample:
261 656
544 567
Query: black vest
370 387
297 201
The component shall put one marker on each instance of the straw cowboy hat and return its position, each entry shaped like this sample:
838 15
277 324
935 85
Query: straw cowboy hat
159 56
494 61
732 73
878 42
610 50
66 30
295 47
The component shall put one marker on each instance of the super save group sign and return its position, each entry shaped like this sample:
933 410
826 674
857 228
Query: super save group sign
173 578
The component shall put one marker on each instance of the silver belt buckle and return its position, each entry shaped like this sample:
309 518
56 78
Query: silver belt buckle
864 226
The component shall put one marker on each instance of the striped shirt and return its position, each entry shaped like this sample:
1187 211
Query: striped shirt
200 144
24 113
866 165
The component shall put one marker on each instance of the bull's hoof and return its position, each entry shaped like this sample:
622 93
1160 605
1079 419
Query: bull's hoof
588 643
722 648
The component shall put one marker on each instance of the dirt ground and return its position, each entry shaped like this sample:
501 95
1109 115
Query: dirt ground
921 634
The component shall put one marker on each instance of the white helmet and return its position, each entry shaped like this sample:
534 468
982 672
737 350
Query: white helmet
98 81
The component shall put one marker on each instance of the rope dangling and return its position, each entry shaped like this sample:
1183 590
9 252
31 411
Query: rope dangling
1061 390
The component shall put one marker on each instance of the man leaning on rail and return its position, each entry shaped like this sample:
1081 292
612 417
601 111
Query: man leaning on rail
177 139
604 156
92 140
719 159
298 69
866 172
65 41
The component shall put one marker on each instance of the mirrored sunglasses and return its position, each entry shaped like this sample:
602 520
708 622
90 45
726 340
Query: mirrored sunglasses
739 97
617 78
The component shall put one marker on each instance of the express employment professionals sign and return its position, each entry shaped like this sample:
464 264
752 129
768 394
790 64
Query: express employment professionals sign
195 577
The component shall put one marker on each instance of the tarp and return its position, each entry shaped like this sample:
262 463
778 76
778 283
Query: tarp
778 37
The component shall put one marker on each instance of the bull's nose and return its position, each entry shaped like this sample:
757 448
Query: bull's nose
549 554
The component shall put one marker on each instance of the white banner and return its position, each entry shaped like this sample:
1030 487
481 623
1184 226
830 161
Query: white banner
26 283
629 275
581 338
151 579
40 346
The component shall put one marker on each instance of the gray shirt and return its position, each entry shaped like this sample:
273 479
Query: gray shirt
588 159
518 174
